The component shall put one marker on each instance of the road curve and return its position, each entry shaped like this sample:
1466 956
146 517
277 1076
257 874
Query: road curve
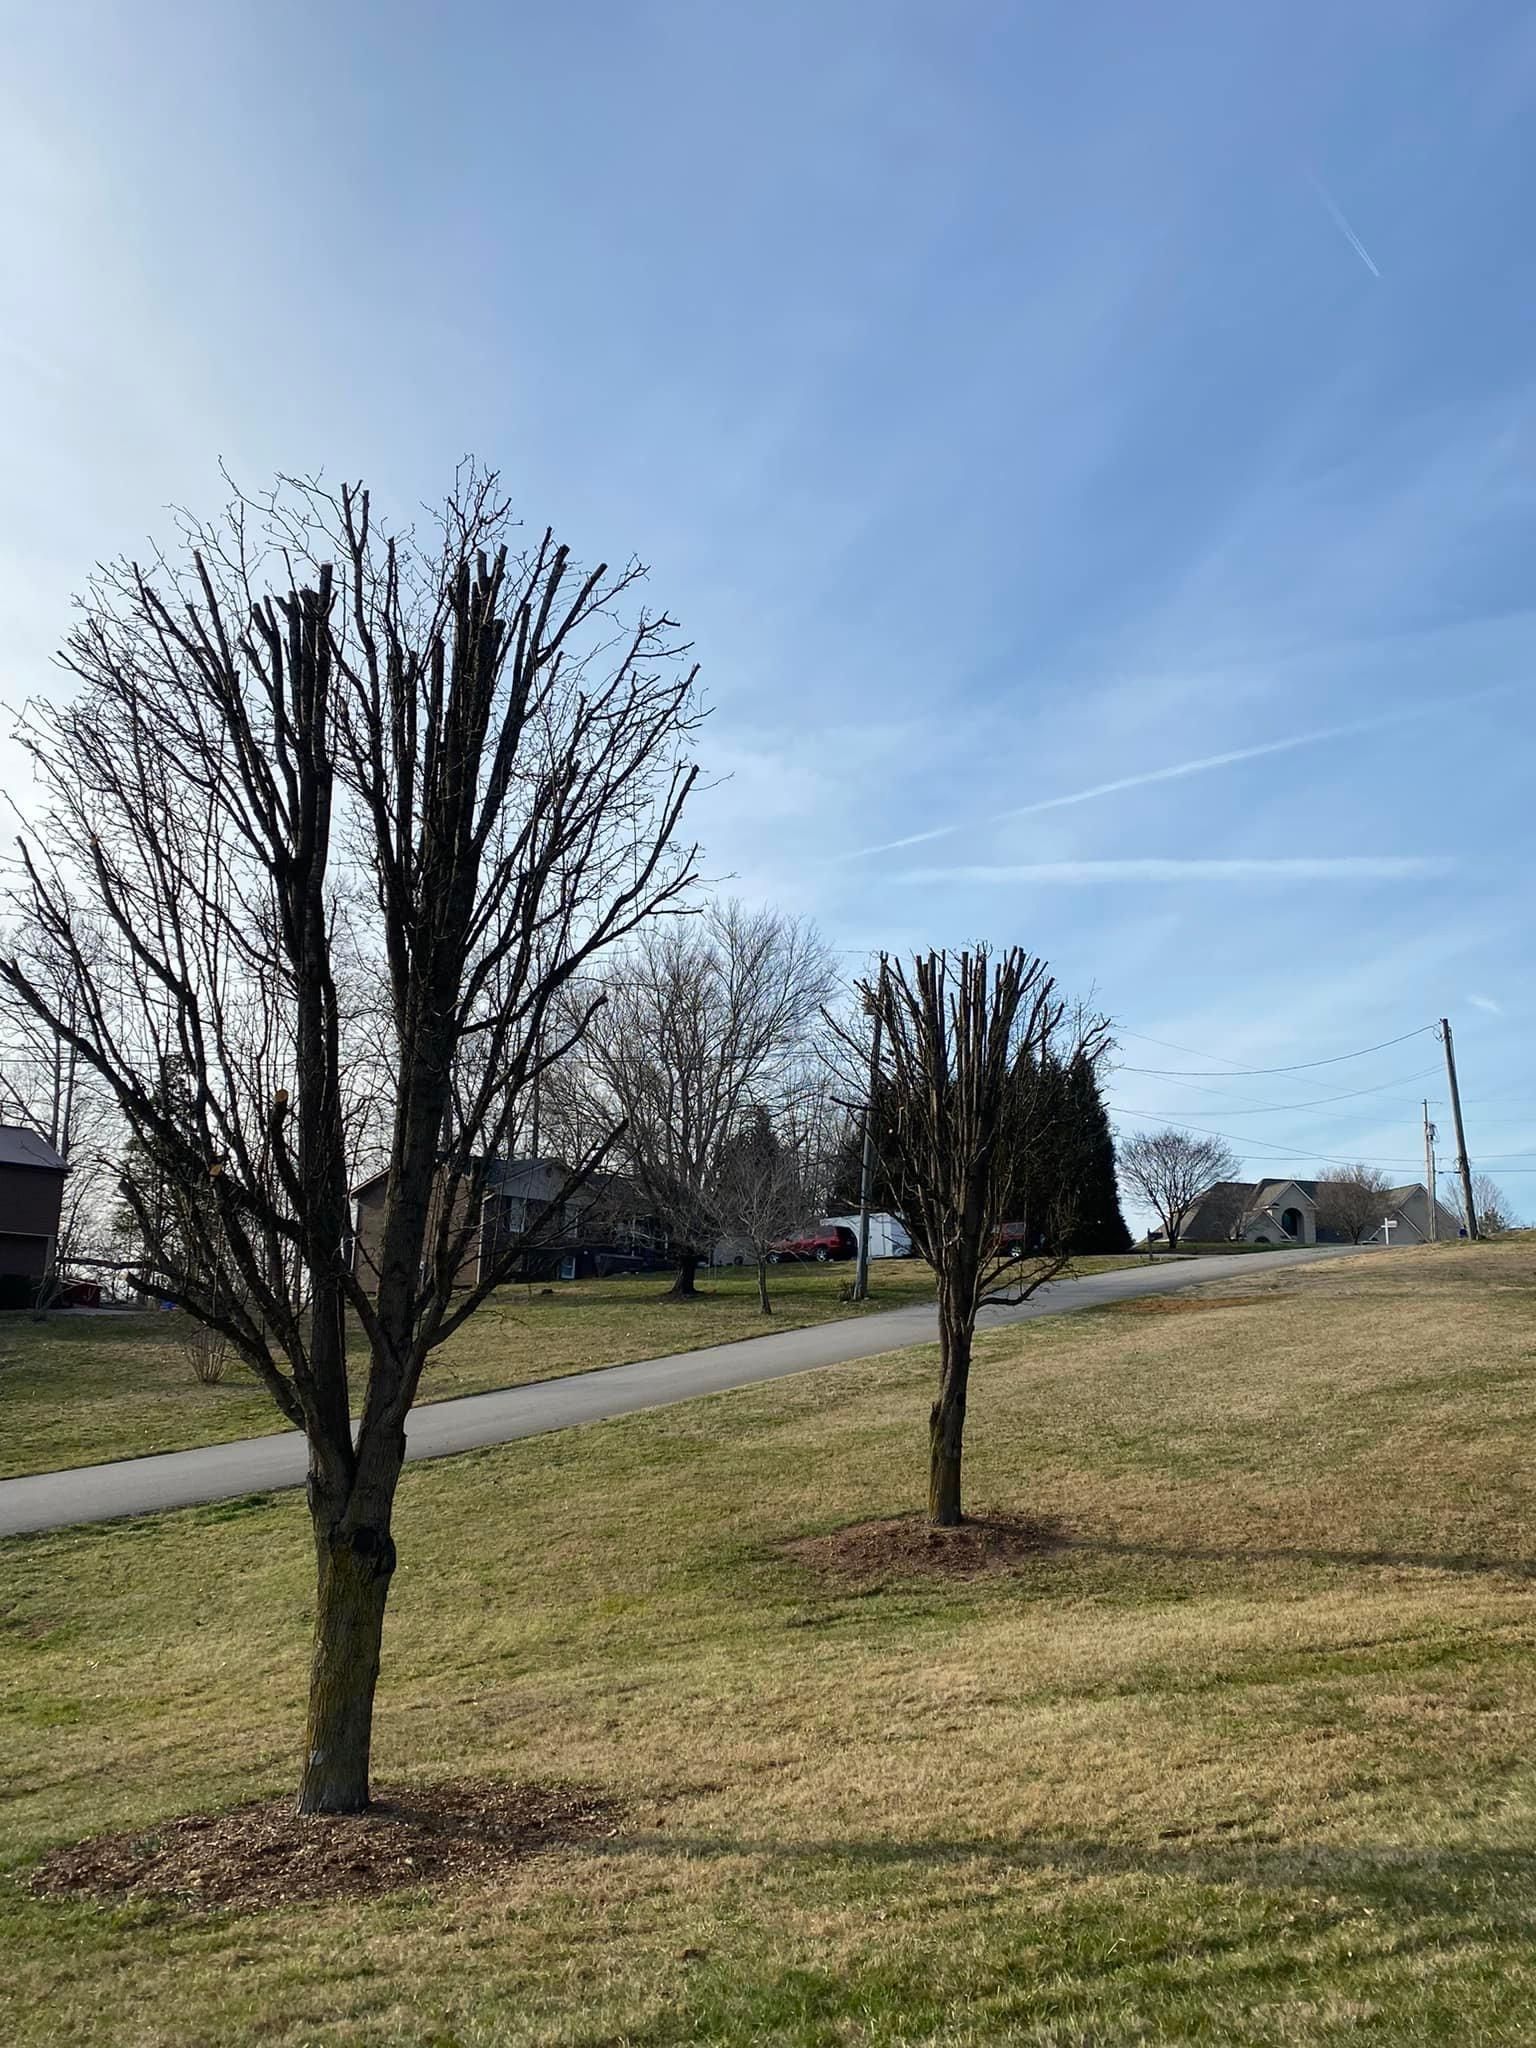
180 1479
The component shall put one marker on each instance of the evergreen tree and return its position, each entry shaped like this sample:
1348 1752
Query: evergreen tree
1100 1227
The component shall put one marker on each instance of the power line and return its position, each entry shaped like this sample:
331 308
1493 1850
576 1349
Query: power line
1250 1146
1237 1073
1270 1108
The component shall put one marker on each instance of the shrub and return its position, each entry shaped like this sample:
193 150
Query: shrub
207 1353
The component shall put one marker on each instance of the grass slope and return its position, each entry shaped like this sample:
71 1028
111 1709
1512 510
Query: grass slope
1246 1759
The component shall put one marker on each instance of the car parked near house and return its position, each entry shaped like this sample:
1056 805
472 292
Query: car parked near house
827 1242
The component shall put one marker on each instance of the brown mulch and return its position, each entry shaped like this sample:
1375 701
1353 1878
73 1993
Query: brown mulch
909 1547
265 1855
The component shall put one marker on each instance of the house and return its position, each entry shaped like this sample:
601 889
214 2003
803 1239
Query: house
31 1198
596 1231
1282 1212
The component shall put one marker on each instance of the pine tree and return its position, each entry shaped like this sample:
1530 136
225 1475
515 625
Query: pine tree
1100 1227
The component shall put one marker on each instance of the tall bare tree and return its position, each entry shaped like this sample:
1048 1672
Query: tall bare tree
1350 1199
706 1019
1168 1169
312 767
967 1109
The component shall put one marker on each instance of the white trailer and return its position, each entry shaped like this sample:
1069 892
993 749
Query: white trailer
888 1238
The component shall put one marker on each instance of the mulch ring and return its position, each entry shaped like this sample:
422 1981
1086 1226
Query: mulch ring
909 1547
266 1855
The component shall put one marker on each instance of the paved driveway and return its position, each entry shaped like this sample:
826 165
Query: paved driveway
179 1479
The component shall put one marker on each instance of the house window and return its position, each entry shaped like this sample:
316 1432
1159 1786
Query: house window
1291 1223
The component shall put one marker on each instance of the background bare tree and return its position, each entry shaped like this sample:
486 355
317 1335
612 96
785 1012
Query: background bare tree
1351 1199
1167 1169
1494 1213
967 1100
767 1180
45 1086
306 761
706 1019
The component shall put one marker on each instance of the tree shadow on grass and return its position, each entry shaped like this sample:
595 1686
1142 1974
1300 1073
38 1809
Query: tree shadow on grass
1495 1884
1473 1563
1053 1544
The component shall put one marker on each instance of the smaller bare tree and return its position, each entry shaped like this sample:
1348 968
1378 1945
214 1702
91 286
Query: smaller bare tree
764 1186
1168 1169
1492 1205
1351 1199
967 1108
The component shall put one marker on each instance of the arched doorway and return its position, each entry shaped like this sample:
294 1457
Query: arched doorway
1292 1224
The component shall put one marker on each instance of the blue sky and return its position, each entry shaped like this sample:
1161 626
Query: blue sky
1011 401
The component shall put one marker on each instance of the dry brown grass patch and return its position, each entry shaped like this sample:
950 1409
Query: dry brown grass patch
267 1855
1181 1304
908 1546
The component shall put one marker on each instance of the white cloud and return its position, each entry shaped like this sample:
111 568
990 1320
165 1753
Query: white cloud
1486 1003
1346 867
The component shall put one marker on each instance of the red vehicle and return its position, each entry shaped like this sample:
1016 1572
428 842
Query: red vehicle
828 1242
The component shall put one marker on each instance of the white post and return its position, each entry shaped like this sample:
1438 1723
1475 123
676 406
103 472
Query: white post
1389 1224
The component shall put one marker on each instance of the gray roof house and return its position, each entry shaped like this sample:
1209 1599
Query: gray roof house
1283 1212
31 1196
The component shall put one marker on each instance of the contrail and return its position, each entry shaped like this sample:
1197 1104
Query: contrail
1343 225
1200 767
893 845
1306 868
1179 768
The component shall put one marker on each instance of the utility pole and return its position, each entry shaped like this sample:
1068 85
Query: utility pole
1429 1176
1462 1166
867 1161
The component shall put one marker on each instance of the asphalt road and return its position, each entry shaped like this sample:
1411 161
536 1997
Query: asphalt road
180 1479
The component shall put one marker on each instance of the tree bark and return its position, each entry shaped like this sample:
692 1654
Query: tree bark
682 1288
946 1422
354 1570
764 1304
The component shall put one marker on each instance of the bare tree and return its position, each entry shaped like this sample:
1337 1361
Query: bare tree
967 1099
705 1020
764 1183
310 766
46 1087
1168 1169
1492 1205
1351 1199
1225 1209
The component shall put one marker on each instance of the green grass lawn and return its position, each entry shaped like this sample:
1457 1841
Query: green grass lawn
78 1390
1244 1757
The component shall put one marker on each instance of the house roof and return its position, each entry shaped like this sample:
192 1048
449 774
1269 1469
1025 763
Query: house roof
508 1175
1269 1191
22 1147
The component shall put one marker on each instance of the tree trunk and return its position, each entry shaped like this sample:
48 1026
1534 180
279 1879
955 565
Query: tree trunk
763 1303
946 1421
355 1567
682 1288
